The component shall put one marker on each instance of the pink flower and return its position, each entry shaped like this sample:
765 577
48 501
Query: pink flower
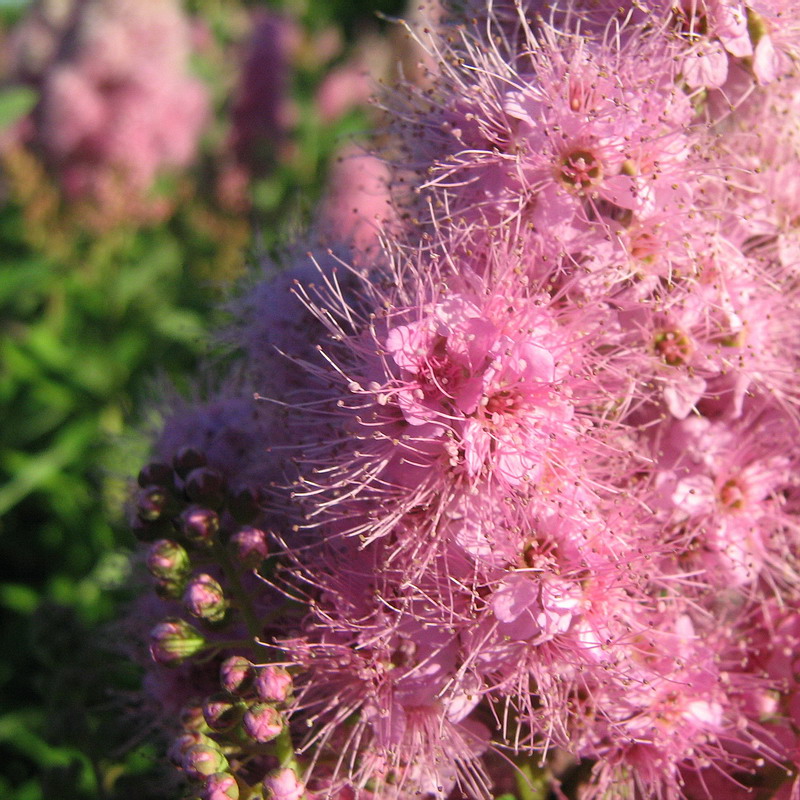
535 607
343 89
539 489
722 484
117 103
498 393
357 205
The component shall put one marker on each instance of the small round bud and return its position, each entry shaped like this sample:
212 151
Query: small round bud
191 717
151 503
201 760
174 640
220 786
244 505
236 675
183 743
221 712
249 546
167 560
262 722
170 590
188 459
205 599
273 684
283 784
206 486
199 525
155 474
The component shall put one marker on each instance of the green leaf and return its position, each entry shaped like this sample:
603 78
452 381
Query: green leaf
532 781
32 471
17 730
18 597
22 274
15 102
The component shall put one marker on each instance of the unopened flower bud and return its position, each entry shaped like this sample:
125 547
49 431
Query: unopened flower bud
170 590
244 505
174 640
206 486
167 560
188 459
151 503
205 599
273 684
236 675
262 722
155 474
220 786
221 712
181 745
191 717
201 760
283 784
199 525
249 546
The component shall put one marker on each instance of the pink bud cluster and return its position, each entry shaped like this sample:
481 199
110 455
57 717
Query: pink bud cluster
243 723
118 104
202 514
538 505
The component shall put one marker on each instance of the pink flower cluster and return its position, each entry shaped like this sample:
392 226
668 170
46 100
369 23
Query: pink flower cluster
117 104
525 476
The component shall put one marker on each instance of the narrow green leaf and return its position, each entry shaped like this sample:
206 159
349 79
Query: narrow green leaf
37 469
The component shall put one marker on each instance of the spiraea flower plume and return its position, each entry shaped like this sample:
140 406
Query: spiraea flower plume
504 497
118 106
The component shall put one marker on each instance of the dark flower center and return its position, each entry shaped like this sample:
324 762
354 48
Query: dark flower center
506 401
673 346
731 495
581 169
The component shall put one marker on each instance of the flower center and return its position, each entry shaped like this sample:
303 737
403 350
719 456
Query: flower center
731 495
645 246
403 655
505 401
673 346
692 23
581 170
440 375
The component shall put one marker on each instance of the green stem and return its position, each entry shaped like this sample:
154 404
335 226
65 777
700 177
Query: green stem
242 599
284 750
532 783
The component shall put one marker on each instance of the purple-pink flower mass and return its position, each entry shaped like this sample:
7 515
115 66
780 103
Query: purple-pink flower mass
502 495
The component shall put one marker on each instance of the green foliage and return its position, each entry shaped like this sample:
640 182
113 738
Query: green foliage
81 337
92 319
15 102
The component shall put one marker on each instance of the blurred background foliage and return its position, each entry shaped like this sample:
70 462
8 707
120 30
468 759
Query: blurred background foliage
96 310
